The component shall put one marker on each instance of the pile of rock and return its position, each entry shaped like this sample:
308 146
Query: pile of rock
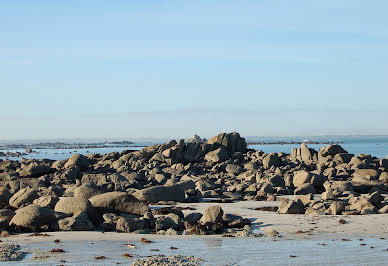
112 191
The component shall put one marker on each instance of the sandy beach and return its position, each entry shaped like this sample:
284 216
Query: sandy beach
303 239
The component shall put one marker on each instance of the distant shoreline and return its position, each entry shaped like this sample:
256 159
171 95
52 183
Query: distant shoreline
294 142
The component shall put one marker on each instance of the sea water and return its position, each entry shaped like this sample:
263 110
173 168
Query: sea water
221 251
377 147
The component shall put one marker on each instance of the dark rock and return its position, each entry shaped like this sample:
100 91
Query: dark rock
5 217
305 189
34 170
193 218
235 221
331 150
86 191
231 141
79 222
270 160
175 192
217 156
129 225
292 207
118 202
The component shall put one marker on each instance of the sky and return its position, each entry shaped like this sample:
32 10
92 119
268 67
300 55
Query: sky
110 69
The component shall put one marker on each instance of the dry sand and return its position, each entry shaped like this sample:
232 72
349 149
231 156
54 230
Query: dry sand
375 224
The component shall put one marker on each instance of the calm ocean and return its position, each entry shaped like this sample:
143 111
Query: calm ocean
375 145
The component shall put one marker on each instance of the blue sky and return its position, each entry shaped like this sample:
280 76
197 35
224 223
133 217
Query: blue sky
175 68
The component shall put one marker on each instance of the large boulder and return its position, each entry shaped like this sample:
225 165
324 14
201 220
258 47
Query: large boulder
303 154
337 207
86 191
331 150
174 154
217 156
235 221
270 160
174 192
365 174
233 169
118 202
34 170
46 201
129 225
343 157
292 207
77 160
72 205
305 189
79 222
33 217
195 151
231 141
212 214
301 177
23 197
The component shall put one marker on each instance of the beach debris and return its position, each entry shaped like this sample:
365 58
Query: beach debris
322 244
342 221
228 235
126 255
155 249
169 260
57 250
130 245
371 247
100 257
293 256
300 232
268 209
11 252
345 239
145 240
40 257
173 248
57 241
382 238
4 234
362 244
39 234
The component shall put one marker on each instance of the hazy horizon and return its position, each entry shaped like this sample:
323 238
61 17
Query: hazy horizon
92 69
139 140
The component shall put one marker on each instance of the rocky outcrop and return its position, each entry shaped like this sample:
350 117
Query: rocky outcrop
112 191
231 141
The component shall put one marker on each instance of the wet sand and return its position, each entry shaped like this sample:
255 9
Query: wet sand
324 241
